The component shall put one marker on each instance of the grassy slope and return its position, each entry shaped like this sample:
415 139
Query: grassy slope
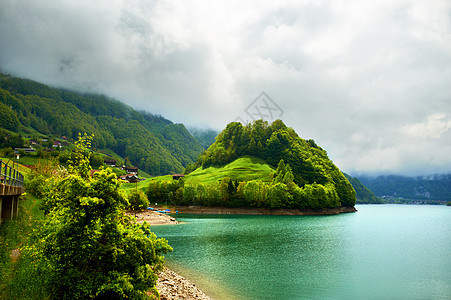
245 168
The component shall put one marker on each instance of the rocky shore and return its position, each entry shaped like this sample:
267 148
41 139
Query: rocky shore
172 286
152 217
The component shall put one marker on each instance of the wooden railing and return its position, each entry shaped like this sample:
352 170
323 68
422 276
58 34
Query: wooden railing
10 176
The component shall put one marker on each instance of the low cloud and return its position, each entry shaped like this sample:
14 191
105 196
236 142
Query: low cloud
368 80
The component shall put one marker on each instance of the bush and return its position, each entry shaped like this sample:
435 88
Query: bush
138 200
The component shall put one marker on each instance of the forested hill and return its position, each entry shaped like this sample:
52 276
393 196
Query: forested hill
309 163
151 142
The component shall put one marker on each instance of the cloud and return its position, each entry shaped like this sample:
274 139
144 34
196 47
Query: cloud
368 80
433 128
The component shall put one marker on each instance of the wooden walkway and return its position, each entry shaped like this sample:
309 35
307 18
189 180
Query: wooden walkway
11 187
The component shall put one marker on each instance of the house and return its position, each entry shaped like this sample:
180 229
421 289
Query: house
33 142
110 162
57 144
131 178
64 138
177 176
131 170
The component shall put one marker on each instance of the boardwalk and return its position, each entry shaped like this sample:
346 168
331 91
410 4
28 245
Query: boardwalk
11 187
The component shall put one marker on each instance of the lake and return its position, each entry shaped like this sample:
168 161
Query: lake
379 252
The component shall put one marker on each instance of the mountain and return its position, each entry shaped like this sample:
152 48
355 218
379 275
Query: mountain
363 194
429 188
150 142
276 144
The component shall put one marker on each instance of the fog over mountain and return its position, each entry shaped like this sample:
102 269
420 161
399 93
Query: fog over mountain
368 80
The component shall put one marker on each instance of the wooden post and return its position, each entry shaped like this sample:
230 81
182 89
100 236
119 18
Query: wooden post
1 204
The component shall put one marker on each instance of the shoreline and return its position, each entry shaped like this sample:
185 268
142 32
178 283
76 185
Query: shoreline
153 217
257 210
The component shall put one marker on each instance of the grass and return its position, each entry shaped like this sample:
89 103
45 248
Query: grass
143 185
15 234
245 168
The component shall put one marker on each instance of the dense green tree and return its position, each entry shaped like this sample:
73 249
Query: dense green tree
90 248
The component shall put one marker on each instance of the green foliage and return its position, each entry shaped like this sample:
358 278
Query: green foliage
36 182
79 164
138 200
87 246
8 118
253 193
15 279
10 140
7 152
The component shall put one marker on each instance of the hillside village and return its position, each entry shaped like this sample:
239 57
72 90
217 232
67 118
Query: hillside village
47 147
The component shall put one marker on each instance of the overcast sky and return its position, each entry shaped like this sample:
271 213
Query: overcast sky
368 80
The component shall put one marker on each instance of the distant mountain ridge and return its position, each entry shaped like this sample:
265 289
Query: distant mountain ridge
151 142
431 187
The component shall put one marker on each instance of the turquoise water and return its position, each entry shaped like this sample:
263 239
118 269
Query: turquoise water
380 252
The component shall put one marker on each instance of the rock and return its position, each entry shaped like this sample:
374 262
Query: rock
173 286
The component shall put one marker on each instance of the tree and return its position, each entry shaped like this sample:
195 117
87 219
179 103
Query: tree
92 248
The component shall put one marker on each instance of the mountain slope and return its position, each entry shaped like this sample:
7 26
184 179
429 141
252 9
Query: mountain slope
151 142
363 194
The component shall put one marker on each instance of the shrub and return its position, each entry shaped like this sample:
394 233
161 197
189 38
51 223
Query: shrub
138 200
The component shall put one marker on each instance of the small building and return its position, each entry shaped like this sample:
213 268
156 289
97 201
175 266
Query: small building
110 162
131 170
57 144
33 142
177 176
131 178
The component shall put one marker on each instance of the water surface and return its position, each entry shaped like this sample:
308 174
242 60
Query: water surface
380 252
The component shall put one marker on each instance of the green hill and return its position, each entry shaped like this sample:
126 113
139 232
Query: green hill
258 165
150 142
272 143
